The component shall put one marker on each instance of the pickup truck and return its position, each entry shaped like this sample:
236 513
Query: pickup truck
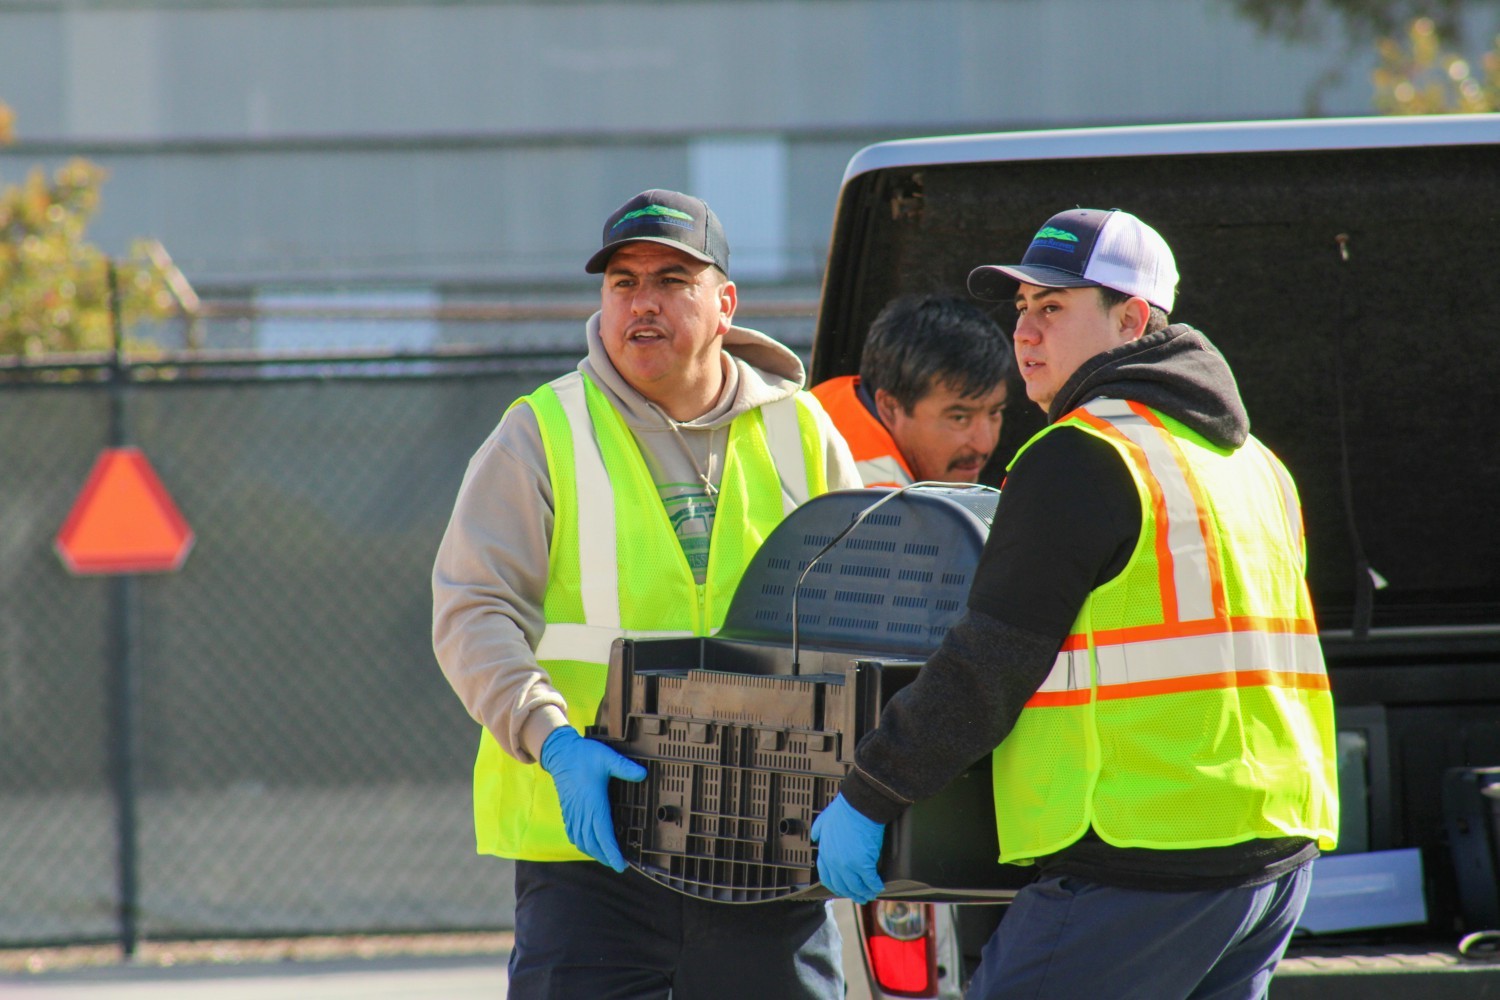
1347 270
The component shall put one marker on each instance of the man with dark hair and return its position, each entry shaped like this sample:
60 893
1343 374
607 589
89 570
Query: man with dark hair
624 498
927 402
1139 657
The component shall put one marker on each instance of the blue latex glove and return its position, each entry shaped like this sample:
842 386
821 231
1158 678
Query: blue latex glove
849 848
582 769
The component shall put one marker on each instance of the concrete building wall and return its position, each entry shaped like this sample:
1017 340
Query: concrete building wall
480 144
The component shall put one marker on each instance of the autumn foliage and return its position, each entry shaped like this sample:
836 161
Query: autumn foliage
54 284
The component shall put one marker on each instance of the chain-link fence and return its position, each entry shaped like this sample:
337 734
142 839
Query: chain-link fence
260 742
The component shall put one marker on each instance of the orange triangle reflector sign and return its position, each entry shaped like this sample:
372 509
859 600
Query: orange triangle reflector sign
123 521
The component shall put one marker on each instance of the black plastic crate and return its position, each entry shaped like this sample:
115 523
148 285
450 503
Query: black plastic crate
734 825
746 736
739 765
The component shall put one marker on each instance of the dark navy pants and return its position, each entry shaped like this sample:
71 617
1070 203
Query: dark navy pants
583 931
1065 938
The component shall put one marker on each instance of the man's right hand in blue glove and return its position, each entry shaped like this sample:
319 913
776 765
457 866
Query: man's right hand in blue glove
848 851
582 769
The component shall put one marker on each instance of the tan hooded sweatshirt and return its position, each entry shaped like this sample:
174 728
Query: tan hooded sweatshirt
490 576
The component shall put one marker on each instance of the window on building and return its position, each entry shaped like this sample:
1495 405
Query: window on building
744 180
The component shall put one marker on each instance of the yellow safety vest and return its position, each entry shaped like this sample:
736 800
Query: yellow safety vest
1189 707
617 569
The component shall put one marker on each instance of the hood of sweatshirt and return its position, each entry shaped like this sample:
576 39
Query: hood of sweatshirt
757 370
1177 371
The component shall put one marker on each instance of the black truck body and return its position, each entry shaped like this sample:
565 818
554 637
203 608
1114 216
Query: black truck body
1347 270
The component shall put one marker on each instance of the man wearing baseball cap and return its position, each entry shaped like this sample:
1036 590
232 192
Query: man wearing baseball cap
625 497
1139 656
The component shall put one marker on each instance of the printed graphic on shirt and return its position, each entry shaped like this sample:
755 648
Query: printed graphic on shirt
691 511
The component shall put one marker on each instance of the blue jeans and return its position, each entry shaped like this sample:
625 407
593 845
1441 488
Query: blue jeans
1066 938
583 931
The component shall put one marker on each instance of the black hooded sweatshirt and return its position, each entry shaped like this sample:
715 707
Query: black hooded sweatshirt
1067 521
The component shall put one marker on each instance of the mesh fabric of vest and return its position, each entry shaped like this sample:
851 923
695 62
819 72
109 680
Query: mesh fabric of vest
1228 752
516 809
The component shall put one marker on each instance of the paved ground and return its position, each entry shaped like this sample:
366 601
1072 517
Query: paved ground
444 978
413 967
416 967
472 967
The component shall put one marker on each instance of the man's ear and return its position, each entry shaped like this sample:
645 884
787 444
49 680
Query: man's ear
1135 313
887 407
728 300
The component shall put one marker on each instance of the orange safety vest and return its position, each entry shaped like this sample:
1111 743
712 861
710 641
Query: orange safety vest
1189 707
875 453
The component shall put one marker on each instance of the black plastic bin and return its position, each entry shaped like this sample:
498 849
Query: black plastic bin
746 736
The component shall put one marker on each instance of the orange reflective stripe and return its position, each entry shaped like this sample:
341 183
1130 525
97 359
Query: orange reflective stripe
1176 685
1215 682
1166 578
1200 655
1180 523
1059 699
1165 562
1187 659
1206 626
1217 600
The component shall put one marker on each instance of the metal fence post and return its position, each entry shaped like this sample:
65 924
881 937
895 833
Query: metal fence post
122 687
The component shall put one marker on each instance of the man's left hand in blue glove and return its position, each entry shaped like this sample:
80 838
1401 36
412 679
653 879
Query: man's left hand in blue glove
848 851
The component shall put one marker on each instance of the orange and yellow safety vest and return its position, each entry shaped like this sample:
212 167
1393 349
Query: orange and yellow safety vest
1189 707
875 452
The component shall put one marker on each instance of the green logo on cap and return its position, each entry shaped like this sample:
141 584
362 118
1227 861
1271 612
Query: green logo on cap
1050 233
657 210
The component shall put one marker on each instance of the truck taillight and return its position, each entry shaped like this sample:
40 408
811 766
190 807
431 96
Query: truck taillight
900 947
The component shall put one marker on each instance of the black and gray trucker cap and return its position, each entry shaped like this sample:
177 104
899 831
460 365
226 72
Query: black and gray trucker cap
667 217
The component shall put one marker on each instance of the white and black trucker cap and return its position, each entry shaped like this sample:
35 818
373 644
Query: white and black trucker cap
1088 248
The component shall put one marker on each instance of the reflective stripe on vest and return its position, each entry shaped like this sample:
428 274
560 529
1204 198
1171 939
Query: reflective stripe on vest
1288 495
1189 707
1192 589
1160 666
603 577
882 471
1182 652
599 578
784 439
599 566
